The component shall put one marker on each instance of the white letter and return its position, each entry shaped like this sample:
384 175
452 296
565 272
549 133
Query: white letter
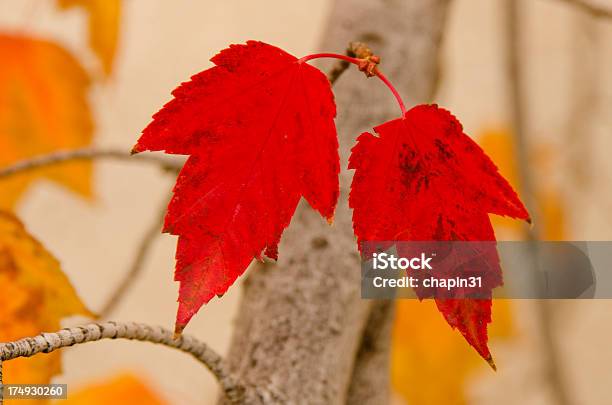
384 263
374 282
393 262
425 262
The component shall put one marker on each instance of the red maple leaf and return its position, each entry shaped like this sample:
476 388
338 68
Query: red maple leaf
259 131
423 179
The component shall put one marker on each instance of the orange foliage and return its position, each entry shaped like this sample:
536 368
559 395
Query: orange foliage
104 20
43 108
36 296
124 388
500 147
430 362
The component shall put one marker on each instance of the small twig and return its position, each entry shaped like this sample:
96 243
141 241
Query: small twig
137 264
596 10
337 70
87 154
235 391
355 50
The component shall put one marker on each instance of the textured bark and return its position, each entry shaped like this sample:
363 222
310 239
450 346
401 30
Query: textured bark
301 322
408 38
370 381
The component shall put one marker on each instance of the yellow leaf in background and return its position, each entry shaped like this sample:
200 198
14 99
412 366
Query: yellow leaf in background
43 108
104 20
35 296
499 145
125 388
430 362
552 212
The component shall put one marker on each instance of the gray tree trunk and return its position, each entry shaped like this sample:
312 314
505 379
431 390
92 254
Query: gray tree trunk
302 331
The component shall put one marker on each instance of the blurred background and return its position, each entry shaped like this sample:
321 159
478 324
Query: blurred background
121 59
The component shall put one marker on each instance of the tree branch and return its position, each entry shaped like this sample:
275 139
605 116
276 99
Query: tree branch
588 6
370 381
235 391
168 164
337 70
516 78
302 319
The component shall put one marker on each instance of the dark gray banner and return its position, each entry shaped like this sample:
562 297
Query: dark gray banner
482 270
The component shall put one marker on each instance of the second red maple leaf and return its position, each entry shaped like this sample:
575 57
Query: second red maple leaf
423 179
